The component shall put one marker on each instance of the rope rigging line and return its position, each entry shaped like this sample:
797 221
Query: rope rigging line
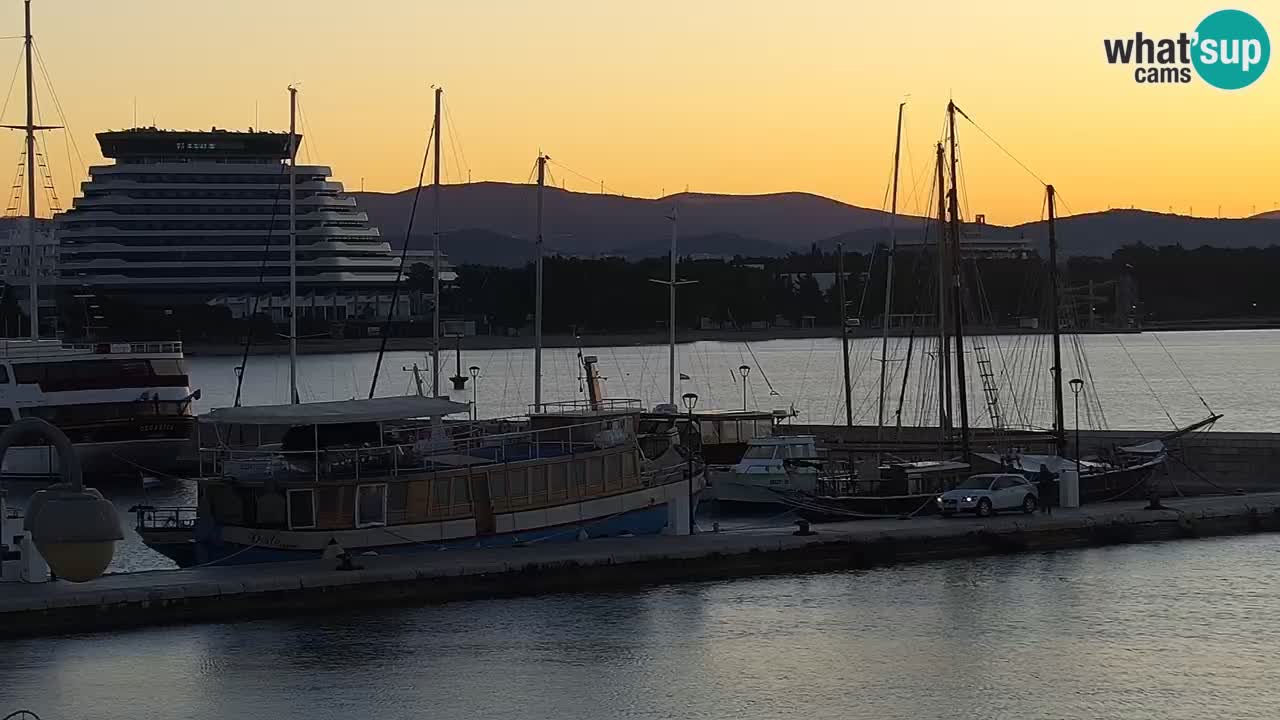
455 143
257 295
1183 374
306 132
46 174
756 360
13 79
1002 147
62 115
404 251
15 197
594 182
1146 382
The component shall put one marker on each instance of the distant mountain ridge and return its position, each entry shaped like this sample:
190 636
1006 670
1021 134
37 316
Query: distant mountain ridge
494 223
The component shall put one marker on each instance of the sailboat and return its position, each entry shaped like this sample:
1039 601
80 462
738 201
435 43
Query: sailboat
908 484
392 475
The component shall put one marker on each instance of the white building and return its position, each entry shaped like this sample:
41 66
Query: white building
15 261
190 217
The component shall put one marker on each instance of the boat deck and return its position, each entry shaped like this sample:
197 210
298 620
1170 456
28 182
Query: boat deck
240 592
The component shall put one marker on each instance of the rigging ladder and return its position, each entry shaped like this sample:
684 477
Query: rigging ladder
989 388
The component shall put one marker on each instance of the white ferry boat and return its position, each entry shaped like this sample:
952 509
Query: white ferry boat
125 406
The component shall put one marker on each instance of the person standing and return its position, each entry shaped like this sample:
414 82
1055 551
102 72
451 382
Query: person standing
1047 487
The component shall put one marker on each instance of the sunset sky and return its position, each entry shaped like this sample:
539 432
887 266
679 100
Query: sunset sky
732 96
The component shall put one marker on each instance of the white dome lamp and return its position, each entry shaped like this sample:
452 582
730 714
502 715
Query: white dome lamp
73 527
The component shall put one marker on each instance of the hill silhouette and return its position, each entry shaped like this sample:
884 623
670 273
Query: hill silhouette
592 224
494 223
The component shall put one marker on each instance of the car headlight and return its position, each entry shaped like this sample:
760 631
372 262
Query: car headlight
968 499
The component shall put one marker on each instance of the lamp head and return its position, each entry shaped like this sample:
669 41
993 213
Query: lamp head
690 400
745 370
75 530
1076 385
474 370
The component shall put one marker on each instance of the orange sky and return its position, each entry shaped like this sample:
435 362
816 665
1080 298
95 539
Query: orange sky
736 96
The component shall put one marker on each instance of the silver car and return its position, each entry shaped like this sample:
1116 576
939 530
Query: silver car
987 494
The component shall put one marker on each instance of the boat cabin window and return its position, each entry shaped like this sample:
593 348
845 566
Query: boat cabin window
305 437
799 451
4 375
6 416
101 374
302 509
371 505
87 413
760 452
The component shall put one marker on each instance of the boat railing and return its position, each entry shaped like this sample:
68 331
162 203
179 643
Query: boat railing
850 485
584 405
165 518
168 348
427 453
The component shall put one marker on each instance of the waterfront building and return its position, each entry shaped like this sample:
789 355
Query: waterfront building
15 261
202 217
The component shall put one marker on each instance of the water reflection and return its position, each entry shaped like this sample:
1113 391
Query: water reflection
1177 630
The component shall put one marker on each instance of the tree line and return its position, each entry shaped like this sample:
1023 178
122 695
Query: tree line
1137 284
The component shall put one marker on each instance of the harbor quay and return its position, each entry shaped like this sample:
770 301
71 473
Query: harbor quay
224 594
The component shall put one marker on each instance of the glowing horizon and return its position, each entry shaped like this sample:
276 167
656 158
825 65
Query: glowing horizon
720 97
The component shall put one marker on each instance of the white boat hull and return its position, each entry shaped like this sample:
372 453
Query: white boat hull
755 488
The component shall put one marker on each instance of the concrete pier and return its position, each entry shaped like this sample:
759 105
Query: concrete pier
237 593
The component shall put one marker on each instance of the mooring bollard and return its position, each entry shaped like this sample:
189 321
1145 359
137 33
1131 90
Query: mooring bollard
1153 498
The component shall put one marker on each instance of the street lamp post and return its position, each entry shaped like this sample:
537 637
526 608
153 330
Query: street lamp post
744 370
690 401
475 391
1076 386
73 527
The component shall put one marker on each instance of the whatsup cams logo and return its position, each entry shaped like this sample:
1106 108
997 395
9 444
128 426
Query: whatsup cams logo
1229 50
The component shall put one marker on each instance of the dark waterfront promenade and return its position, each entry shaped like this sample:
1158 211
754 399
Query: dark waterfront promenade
233 593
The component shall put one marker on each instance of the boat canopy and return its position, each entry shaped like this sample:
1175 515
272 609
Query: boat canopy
1155 447
339 412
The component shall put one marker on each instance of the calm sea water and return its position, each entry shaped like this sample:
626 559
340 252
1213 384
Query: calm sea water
1140 381
1174 630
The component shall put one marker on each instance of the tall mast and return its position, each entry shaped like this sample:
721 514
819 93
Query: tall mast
957 299
888 282
671 318
293 245
435 256
944 349
1059 430
34 265
537 299
844 336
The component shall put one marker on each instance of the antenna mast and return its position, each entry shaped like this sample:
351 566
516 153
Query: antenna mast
671 316
944 348
672 283
293 245
537 300
888 282
844 335
1059 430
957 302
435 256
